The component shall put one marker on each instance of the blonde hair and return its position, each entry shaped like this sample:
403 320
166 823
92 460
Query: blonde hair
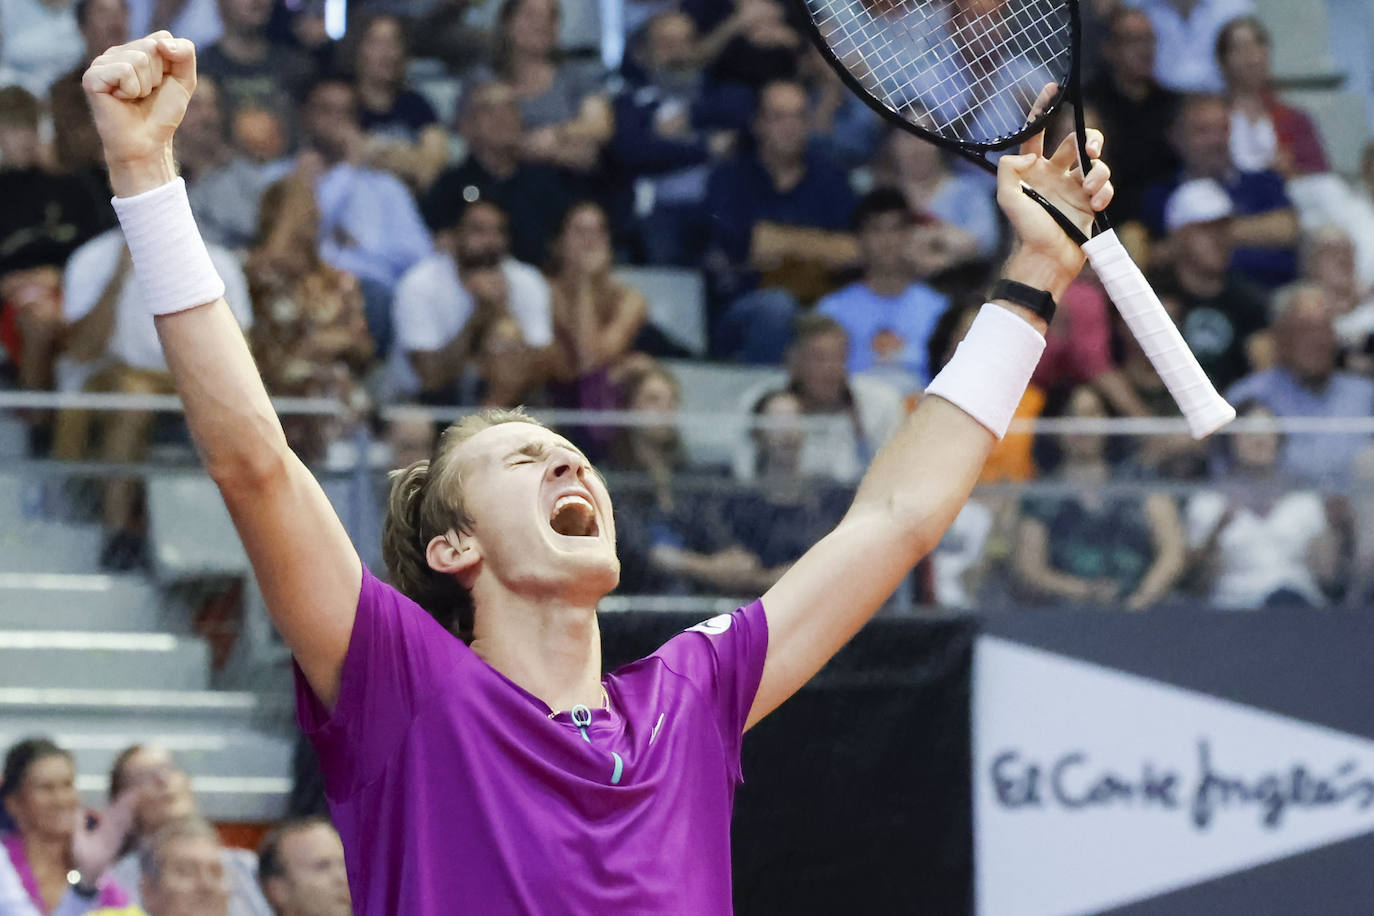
427 500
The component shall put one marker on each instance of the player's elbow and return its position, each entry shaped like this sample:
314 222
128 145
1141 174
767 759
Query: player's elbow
247 470
908 520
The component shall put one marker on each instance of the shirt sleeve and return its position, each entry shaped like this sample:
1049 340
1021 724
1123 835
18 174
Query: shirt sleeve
390 669
723 657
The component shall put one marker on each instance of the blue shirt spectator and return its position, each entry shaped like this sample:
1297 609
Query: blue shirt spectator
1187 31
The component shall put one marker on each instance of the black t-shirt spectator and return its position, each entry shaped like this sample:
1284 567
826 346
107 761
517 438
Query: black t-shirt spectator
780 532
45 217
533 197
1141 152
1217 327
409 114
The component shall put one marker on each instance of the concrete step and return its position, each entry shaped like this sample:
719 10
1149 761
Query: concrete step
74 601
40 710
106 661
30 545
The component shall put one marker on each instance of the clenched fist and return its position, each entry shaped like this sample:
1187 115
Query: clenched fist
138 94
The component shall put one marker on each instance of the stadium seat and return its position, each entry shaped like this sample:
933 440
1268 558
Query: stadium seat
677 302
190 534
714 425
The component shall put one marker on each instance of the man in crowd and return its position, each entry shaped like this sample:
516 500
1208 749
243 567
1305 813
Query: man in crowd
1187 31
533 197
301 869
76 145
467 316
889 313
183 871
224 186
779 217
1265 225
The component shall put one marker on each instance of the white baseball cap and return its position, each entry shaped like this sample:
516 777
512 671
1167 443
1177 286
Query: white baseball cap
1201 200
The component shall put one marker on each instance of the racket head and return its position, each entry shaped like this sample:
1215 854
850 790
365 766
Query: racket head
963 74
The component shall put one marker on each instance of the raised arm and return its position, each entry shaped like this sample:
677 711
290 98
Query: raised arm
918 482
307 568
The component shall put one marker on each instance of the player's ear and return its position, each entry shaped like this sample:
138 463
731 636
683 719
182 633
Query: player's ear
455 553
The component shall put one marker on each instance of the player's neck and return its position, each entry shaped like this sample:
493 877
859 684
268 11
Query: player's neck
550 648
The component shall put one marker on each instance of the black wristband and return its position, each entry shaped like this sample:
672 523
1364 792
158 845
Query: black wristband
1037 300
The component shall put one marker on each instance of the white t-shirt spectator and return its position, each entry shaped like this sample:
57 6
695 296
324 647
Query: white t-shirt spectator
431 307
133 340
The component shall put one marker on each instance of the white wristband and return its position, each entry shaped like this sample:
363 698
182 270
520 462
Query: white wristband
988 374
170 261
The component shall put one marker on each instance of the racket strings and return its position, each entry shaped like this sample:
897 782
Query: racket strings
972 77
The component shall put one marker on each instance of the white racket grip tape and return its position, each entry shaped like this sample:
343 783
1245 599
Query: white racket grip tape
1205 409
171 262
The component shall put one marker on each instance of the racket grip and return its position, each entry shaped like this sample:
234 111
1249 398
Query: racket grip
1205 409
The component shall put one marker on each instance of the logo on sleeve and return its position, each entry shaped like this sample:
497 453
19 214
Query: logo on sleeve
713 627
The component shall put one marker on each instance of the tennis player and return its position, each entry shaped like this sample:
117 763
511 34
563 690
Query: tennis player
501 772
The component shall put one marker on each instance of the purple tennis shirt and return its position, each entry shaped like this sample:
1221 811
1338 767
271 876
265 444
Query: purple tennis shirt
455 793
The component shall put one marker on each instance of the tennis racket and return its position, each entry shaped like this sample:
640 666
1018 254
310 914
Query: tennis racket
966 75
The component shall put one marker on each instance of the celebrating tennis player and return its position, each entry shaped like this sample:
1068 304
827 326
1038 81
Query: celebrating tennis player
475 757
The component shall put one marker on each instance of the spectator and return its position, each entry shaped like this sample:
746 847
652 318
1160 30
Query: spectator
1304 383
76 146
225 188
1256 541
564 110
850 416
257 76
1187 32
673 538
1135 111
42 41
1265 228
1329 262
301 868
596 318
1087 548
964 223
112 347
469 316
778 220
166 802
533 197
310 336
197 20
1223 317
183 871
755 48
889 313
1265 133
404 134
670 125
444 32
842 124
50 842
369 224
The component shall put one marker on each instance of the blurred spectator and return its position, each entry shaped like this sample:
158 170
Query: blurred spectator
468 317
753 47
52 835
842 124
1223 316
1089 548
889 313
673 540
533 197
596 318
1187 32
224 187
670 124
1329 262
256 76
301 868
183 871
443 32
1265 228
166 802
76 146
403 132
966 225
1304 383
198 20
310 337
41 42
1134 110
778 216
563 107
1256 541
112 347
1265 133
369 224
849 417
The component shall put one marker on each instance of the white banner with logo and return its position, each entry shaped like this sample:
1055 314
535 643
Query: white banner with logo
1094 788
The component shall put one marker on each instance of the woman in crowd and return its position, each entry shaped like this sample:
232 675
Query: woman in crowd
1255 539
566 112
404 134
309 333
1265 133
1090 546
52 839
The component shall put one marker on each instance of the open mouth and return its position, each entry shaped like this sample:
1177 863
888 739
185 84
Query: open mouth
573 516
